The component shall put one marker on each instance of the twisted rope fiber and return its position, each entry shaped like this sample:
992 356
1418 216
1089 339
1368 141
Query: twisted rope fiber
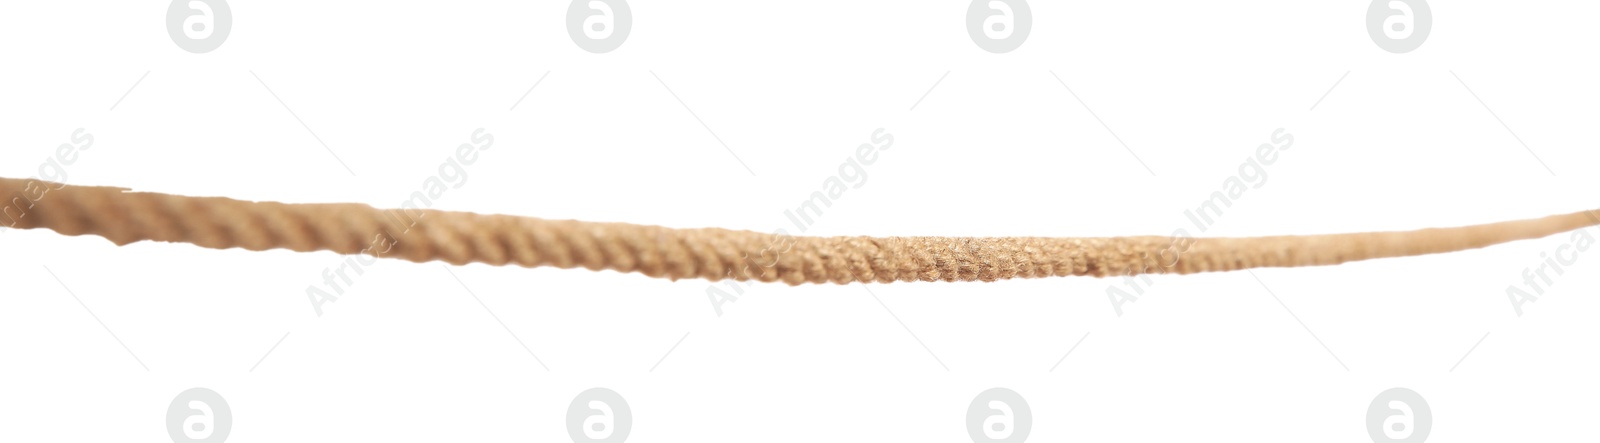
422 235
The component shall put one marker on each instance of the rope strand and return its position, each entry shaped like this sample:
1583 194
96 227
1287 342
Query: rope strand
422 235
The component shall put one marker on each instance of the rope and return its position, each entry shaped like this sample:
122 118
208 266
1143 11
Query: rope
422 235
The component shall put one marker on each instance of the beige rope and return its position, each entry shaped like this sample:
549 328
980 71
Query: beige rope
422 235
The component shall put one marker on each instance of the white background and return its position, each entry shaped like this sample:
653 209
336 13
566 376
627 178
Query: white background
996 145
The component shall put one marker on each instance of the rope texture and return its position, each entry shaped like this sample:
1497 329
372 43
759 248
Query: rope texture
422 235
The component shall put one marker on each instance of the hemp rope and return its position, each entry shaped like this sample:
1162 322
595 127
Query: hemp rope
422 235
